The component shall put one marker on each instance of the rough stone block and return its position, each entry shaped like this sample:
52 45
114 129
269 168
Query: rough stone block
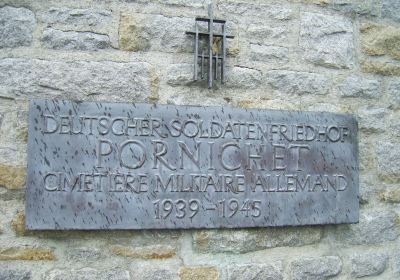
15 274
393 91
242 241
371 119
375 226
267 34
146 252
199 273
74 40
391 9
382 68
180 74
87 273
139 32
316 268
357 7
26 254
105 80
301 83
255 272
380 40
12 177
248 9
79 19
16 27
241 77
18 224
132 36
388 155
391 194
368 264
86 254
154 272
396 264
269 53
357 86
179 3
327 40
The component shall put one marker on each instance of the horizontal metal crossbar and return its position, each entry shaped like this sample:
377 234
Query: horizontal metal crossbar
207 20
208 34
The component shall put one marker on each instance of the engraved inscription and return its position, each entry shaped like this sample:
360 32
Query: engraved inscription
104 165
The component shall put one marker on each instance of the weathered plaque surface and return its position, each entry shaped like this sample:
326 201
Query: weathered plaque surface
141 166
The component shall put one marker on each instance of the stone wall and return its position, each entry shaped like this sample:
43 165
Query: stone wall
318 55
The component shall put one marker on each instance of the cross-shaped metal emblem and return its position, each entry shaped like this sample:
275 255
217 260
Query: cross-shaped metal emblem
212 54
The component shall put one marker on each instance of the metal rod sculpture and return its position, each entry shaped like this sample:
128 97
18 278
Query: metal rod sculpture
216 57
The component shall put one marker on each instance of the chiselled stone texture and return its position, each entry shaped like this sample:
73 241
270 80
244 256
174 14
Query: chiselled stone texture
154 272
242 77
255 271
12 177
380 40
318 55
370 119
356 86
301 83
199 273
77 18
358 7
74 40
368 264
327 40
394 93
388 154
382 68
374 227
242 241
76 79
154 33
243 8
396 263
269 53
175 3
145 252
267 34
180 74
316 268
18 224
15 274
16 27
132 37
86 254
87 273
391 9
391 194
26 254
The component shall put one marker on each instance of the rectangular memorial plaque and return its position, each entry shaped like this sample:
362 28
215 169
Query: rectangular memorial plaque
142 166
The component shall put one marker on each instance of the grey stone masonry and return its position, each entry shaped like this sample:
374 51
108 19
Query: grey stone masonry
300 83
316 268
327 40
356 86
16 27
368 264
73 40
75 79
255 272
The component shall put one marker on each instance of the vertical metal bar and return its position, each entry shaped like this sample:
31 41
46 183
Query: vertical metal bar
202 64
196 50
223 53
210 43
216 66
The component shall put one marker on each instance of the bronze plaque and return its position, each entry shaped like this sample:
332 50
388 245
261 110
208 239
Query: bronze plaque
142 166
